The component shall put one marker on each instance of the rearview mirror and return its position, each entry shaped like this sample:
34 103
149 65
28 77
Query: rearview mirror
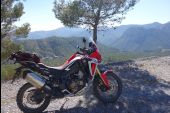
77 47
84 40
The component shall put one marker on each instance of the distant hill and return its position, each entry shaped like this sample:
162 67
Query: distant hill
57 46
60 32
146 37
107 36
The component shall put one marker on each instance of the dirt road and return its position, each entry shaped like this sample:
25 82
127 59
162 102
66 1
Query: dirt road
146 89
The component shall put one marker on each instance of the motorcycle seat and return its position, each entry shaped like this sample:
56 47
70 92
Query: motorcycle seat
53 70
49 67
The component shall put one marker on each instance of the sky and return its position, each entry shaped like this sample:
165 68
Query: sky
41 17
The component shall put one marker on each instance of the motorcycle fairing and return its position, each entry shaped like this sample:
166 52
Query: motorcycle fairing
71 60
96 55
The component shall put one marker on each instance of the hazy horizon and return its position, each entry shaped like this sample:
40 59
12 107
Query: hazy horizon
116 26
41 18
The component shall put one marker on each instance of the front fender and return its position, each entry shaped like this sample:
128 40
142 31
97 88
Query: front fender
104 78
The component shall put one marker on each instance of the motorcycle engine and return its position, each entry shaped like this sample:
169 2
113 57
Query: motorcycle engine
75 82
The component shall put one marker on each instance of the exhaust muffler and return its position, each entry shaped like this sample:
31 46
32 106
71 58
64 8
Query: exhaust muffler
36 80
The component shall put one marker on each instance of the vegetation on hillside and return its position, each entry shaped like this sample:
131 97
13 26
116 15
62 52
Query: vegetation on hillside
58 46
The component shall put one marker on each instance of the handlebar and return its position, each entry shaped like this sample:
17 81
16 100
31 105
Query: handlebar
84 50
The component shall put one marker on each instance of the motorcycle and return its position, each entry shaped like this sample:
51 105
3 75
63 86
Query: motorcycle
73 78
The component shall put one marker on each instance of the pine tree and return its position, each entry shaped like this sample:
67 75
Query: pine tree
11 11
91 13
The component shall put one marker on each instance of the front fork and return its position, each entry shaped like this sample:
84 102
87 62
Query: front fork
103 77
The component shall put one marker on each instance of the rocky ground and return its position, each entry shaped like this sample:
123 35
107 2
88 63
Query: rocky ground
146 89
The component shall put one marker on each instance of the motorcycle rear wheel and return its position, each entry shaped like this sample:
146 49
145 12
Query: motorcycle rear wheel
104 95
44 100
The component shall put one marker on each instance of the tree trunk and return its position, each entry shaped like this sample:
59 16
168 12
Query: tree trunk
97 18
95 34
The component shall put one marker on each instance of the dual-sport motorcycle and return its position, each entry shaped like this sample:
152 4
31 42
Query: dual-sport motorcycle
73 78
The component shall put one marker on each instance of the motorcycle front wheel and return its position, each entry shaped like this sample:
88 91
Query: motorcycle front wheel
31 100
108 95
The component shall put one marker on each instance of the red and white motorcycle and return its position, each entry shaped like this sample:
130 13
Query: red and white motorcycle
70 79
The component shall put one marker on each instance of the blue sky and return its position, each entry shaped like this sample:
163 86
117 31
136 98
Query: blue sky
39 14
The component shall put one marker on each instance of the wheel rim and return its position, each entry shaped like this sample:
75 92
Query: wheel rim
112 92
29 101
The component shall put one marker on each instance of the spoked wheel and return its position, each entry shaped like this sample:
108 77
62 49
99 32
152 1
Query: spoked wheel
108 95
32 100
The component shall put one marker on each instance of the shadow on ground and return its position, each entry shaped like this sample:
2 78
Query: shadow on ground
142 93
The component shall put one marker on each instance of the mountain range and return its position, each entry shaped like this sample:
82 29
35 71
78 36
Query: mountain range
148 37
58 46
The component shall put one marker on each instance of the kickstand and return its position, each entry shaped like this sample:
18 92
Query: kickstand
62 107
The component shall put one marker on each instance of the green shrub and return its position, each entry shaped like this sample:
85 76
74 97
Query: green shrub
8 71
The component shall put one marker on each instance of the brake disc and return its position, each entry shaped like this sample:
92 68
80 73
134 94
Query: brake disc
32 98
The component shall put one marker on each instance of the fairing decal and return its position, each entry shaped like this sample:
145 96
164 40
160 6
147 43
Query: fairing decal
93 67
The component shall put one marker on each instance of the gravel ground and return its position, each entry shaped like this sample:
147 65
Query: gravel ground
159 67
146 89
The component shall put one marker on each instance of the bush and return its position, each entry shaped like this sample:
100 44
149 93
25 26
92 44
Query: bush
8 71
